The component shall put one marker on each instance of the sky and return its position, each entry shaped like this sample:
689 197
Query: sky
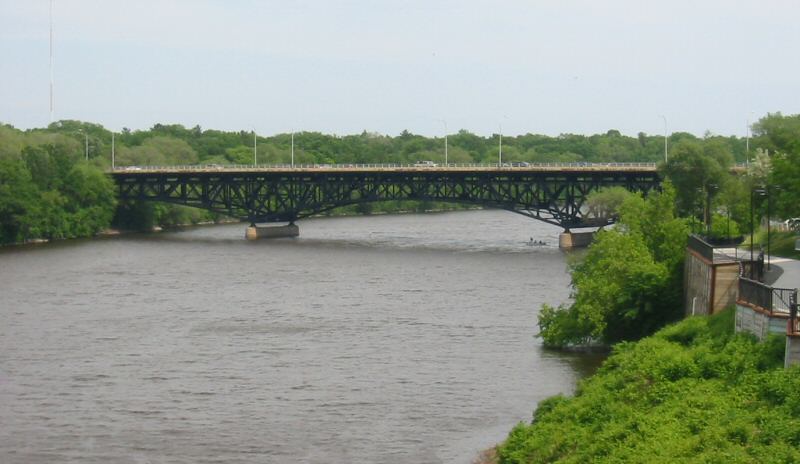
427 66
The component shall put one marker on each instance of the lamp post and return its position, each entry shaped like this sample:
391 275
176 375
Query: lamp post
710 188
255 148
112 150
292 148
665 137
769 215
500 153
86 143
752 245
445 140
51 62
753 192
747 145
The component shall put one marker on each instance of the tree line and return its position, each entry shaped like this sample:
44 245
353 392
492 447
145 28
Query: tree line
50 184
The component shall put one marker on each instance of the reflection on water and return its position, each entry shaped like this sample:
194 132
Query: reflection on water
372 339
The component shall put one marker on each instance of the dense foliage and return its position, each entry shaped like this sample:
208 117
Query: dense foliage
169 144
629 282
47 191
693 392
781 136
176 144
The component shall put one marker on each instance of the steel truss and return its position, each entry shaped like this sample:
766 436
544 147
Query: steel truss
554 197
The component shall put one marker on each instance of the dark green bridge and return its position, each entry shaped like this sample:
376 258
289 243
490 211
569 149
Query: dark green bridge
553 193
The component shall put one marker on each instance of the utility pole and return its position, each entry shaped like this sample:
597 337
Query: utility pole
665 137
500 155
255 148
52 111
747 144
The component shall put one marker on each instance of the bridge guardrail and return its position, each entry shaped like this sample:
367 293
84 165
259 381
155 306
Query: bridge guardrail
346 166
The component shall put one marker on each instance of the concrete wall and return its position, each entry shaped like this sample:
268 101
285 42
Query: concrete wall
696 284
726 286
758 323
258 232
569 240
792 355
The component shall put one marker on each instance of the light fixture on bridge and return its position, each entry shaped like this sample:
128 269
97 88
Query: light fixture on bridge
255 148
665 137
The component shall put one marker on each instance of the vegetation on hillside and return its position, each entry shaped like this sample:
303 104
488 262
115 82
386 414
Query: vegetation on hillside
693 392
629 282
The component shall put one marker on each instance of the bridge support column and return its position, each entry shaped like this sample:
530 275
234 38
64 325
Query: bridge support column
569 240
255 232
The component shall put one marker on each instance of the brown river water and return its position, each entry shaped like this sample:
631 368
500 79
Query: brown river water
382 339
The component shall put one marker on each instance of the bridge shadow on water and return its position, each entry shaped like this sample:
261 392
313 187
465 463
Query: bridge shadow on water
373 241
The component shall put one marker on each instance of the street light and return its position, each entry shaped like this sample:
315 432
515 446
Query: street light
500 154
747 140
445 140
255 148
710 188
86 142
747 144
769 215
665 137
753 192
112 150
292 148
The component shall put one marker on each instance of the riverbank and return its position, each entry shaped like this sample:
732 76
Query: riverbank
694 391
113 231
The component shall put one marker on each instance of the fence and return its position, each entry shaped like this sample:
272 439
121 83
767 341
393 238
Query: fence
765 297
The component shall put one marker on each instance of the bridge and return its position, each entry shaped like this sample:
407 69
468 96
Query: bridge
553 193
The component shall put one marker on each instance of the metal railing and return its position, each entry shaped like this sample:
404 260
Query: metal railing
765 297
794 325
348 166
700 246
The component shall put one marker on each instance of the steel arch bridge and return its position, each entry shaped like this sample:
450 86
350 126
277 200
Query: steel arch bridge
553 194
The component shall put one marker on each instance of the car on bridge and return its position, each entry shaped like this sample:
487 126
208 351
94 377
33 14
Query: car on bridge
425 164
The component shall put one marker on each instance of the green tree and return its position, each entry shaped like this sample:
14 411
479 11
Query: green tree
628 284
697 174
18 201
605 203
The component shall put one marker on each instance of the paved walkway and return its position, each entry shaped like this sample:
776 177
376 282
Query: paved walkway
783 273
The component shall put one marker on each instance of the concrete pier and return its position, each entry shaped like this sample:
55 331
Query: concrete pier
569 240
255 232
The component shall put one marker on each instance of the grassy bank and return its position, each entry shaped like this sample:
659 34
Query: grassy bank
781 243
693 392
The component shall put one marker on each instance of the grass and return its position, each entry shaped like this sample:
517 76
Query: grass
780 243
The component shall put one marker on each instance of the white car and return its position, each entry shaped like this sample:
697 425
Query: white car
425 164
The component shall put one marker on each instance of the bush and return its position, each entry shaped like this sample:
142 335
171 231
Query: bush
693 392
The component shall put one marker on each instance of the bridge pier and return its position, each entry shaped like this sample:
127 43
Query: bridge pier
255 232
569 240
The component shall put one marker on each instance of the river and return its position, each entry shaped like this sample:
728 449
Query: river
380 339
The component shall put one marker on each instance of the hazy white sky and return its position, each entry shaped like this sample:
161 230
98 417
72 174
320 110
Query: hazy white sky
549 67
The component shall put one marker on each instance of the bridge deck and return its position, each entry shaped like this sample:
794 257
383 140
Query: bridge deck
322 168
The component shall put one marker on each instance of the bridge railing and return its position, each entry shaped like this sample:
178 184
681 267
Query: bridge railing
347 166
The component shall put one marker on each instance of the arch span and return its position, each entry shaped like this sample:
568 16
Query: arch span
553 196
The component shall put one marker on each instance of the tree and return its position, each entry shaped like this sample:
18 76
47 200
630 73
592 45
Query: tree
786 177
696 174
605 203
629 283
18 201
